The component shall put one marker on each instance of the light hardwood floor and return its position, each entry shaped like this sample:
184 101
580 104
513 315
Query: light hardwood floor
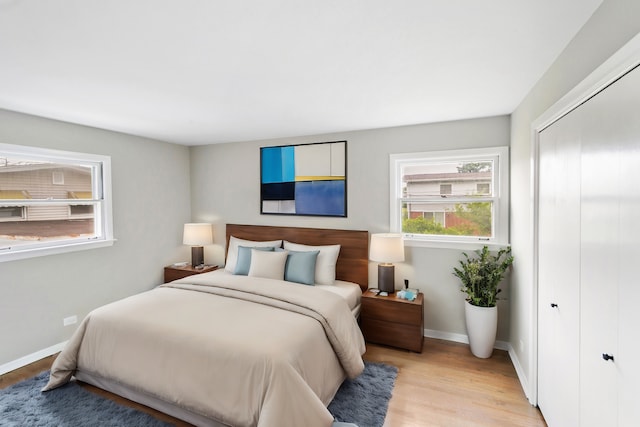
443 386
447 386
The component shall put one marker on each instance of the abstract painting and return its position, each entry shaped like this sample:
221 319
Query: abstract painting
304 179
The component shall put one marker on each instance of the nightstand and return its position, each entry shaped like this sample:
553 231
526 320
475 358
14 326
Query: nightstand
172 273
393 321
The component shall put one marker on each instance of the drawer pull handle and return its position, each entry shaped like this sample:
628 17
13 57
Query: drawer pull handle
554 305
607 357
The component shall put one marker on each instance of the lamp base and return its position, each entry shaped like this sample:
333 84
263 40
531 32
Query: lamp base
197 256
386 278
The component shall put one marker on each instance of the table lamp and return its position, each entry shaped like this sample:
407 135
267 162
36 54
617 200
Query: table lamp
197 235
386 248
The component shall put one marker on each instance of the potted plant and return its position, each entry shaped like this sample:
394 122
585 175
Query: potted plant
480 277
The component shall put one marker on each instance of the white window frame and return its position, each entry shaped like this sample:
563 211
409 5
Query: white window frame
500 198
101 183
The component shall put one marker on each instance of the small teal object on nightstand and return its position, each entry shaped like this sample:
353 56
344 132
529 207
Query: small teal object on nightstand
409 295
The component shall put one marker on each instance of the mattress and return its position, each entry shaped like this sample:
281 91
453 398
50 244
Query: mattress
351 293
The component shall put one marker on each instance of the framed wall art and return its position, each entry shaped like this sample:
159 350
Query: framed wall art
304 179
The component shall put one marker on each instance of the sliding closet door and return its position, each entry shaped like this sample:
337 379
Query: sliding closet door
626 118
628 358
610 280
589 261
600 224
559 279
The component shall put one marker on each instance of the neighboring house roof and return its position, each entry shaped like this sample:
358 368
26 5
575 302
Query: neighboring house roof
434 177
80 194
9 165
14 195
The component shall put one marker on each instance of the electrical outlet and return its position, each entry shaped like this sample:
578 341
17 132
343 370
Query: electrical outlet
521 346
70 320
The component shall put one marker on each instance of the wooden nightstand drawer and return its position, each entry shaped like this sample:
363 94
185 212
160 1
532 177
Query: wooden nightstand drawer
397 311
392 321
394 334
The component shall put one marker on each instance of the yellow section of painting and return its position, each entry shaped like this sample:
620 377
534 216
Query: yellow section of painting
319 178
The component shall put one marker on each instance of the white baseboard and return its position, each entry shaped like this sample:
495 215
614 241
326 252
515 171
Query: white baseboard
461 338
30 358
521 375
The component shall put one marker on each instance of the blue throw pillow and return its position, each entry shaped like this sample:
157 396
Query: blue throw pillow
301 267
244 258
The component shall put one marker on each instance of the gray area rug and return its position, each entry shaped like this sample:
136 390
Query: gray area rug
23 404
362 401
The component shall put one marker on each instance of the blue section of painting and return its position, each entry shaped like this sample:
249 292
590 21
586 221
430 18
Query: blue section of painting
278 191
278 164
320 198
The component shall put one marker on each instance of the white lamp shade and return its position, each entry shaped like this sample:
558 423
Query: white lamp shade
197 234
386 248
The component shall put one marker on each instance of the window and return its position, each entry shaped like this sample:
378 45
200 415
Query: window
52 201
437 217
483 188
451 198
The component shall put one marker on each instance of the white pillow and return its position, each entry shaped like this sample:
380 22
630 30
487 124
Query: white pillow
232 251
325 263
269 265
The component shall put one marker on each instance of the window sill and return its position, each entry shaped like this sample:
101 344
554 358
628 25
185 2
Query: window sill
52 250
467 246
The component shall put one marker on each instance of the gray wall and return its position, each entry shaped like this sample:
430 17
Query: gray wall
151 201
36 294
225 186
610 27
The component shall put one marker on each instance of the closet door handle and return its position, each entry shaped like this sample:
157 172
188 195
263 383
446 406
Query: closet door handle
554 305
607 357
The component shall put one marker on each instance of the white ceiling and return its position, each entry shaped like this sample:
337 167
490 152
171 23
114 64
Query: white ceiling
210 71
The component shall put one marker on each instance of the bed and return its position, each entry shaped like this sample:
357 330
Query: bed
235 349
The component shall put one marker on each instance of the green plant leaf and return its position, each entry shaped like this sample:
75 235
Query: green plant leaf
481 275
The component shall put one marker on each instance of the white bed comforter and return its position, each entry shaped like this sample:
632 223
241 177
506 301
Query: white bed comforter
239 350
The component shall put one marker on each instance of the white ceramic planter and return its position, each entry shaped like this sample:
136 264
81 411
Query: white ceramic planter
482 325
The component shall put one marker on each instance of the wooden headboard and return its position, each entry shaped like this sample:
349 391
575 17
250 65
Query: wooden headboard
353 261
